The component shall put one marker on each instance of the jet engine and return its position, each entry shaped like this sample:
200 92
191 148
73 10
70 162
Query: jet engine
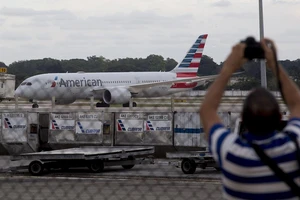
116 96
64 101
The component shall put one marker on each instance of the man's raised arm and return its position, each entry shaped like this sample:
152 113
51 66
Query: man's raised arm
289 88
208 110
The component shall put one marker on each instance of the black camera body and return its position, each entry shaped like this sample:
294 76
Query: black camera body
253 49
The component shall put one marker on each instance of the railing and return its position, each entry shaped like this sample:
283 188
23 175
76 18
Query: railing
229 93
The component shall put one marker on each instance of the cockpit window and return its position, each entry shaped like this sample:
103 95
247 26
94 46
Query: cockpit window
24 83
28 83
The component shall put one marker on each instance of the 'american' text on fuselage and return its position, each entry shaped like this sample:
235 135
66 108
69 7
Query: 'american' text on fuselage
79 83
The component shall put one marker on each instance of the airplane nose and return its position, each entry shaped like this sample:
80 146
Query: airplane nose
18 92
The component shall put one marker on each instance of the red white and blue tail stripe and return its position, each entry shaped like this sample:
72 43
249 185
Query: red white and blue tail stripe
190 64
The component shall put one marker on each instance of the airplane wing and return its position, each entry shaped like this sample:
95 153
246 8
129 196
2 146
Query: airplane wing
136 88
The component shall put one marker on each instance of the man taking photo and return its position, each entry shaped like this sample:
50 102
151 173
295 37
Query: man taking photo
245 175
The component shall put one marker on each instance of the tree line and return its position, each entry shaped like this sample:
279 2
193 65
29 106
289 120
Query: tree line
249 79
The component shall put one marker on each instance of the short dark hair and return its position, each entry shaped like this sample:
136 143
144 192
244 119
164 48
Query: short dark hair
261 112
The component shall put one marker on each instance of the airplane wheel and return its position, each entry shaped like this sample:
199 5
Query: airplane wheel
35 105
126 105
98 104
134 104
102 104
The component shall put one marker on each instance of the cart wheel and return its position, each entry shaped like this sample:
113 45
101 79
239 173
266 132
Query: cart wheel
36 168
188 166
96 166
129 166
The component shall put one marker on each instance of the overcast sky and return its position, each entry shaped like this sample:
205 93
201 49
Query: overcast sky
65 29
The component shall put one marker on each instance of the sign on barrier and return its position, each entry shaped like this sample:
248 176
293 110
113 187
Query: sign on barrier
62 121
14 127
62 124
157 125
88 127
129 125
14 121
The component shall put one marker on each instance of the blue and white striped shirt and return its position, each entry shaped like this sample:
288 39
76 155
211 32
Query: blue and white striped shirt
244 176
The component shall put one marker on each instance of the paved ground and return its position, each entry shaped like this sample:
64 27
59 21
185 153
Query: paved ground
53 188
148 182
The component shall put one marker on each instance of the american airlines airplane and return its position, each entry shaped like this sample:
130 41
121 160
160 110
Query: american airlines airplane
117 87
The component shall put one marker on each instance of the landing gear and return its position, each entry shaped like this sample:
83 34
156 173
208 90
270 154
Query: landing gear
102 104
134 104
35 105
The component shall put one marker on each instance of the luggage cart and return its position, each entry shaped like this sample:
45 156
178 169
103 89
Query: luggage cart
190 160
95 158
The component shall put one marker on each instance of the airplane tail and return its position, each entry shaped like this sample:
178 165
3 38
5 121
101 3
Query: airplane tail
190 64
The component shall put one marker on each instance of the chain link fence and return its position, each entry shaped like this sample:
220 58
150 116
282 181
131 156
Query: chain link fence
148 148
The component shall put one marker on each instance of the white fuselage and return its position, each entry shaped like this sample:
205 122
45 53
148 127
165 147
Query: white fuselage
86 85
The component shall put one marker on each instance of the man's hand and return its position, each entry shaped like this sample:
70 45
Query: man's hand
269 55
236 59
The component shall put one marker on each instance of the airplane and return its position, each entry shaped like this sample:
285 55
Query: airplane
117 87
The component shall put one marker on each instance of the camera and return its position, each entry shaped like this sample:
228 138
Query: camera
253 49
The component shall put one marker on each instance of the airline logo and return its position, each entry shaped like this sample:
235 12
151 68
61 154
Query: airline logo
80 126
149 126
53 84
54 125
7 123
121 126
190 64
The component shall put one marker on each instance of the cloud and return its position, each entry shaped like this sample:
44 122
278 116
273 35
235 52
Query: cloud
238 15
125 22
43 37
2 21
66 20
222 3
286 1
27 12
16 36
